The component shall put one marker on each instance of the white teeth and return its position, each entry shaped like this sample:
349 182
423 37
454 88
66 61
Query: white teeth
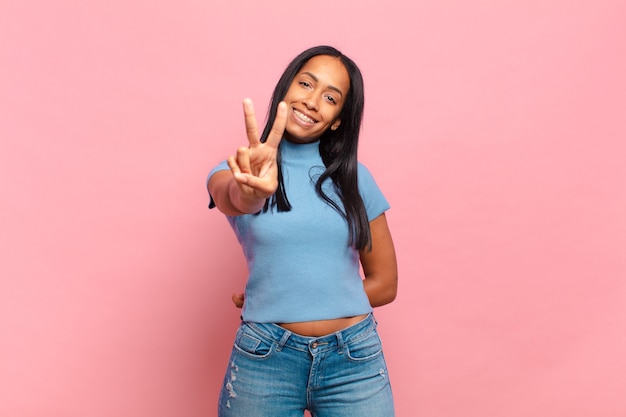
303 117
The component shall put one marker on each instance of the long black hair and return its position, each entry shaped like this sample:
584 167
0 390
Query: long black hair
338 148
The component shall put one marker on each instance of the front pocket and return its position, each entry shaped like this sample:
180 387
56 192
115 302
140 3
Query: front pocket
251 344
366 348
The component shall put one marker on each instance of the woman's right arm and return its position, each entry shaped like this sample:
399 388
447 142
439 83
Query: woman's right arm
253 175
228 197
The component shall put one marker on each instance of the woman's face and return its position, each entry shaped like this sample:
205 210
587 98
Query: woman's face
315 98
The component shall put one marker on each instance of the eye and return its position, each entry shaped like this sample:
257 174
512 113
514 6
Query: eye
331 99
305 84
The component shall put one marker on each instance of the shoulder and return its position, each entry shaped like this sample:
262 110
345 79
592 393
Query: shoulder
373 197
364 174
222 166
363 169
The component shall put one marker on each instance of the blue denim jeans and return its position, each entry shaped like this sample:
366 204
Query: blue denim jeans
276 373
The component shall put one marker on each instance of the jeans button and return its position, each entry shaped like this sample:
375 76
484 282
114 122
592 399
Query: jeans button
314 345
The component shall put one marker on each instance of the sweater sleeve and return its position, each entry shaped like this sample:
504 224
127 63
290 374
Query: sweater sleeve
222 166
373 198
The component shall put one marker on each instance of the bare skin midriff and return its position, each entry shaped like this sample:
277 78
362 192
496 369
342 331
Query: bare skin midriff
321 327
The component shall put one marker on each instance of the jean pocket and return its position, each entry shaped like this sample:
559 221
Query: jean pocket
368 347
251 344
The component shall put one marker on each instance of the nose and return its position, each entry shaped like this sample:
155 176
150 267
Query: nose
311 101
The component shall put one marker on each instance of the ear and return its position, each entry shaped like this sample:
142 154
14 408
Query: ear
335 125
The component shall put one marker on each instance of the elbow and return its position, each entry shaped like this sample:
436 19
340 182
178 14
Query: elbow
392 292
385 294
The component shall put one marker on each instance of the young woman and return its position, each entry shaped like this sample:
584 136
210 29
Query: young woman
308 215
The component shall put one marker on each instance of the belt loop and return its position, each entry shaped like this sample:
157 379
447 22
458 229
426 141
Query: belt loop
283 340
340 343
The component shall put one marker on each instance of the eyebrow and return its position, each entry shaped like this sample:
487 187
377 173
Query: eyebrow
330 87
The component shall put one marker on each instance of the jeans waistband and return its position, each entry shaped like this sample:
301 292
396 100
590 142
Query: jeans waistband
338 339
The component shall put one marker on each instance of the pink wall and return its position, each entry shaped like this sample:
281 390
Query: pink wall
497 130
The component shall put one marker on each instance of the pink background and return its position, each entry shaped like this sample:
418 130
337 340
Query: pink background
496 129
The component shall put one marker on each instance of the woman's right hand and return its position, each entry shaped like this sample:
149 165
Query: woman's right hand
238 299
254 168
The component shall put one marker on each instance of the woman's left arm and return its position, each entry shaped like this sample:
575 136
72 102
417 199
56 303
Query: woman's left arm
379 265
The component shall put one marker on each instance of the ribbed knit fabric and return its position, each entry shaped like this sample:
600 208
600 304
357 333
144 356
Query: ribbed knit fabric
301 265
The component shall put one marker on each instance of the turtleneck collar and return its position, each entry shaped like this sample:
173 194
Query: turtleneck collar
299 151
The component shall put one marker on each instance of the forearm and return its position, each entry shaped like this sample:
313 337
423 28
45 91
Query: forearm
379 265
380 291
230 199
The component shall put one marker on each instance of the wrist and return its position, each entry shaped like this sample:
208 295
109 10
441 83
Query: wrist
247 203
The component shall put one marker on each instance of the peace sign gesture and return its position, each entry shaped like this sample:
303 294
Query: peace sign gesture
254 167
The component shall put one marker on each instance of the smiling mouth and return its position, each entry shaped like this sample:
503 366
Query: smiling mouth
303 117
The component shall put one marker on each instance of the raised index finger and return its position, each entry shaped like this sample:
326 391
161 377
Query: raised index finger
252 130
278 128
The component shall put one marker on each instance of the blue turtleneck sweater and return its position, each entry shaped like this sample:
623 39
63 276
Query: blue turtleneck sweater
301 265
